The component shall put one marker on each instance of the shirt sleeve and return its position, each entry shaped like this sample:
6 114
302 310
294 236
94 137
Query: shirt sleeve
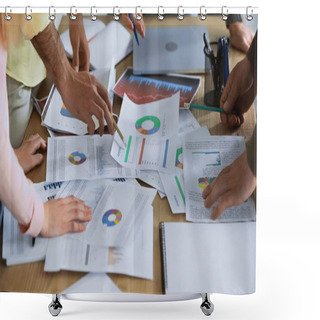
34 26
16 191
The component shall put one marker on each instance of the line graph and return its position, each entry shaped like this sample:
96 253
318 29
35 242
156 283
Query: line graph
146 89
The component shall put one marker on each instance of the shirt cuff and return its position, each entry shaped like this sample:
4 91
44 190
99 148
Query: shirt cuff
37 218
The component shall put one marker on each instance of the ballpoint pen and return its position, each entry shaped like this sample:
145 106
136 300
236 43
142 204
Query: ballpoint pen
134 28
196 106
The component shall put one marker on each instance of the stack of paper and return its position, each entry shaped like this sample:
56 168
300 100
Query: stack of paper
18 248
118 239
83 157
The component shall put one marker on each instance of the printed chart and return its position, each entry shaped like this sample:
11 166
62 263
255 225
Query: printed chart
145 89
204 182
77 158
112 217
150 131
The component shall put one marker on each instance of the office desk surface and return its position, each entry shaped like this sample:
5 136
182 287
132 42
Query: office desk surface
31 277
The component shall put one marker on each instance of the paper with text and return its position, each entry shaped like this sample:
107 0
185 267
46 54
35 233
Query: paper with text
203 160
150 131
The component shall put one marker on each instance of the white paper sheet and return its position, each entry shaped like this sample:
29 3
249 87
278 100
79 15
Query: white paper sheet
83 157
118 216
135 260
215 258
93 283
152 178
203 159
174 183
150 131
108 42
17 247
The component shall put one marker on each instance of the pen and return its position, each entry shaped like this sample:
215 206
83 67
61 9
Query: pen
134 29
118 130
33 241
196 106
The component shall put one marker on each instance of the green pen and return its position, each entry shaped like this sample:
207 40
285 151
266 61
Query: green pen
196 106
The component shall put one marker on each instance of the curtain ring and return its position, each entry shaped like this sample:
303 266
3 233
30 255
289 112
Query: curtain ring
52 16
249 13
224 13
28 13
7 16
160 14
180 13
138 14
116 14
73 17
93 16
203 13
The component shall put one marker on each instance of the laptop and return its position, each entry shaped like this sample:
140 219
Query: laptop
170 49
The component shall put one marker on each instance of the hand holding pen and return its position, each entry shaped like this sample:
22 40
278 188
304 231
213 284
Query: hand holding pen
134 24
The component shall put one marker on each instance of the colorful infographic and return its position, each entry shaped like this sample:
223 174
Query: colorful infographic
179 163
146 89
112 217
205 181
77 158
154 129
65 112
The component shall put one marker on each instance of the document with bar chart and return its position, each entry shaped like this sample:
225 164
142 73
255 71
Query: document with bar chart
83 157
150 133
144 89
211 155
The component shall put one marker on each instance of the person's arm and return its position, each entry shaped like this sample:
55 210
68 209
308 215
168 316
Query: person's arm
233 186
79 43
240 90
81 92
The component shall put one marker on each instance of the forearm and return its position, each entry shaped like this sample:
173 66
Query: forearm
252 54
17 192
50 49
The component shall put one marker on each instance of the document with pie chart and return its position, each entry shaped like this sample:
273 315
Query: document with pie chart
150 133
119 214
203 159
83 157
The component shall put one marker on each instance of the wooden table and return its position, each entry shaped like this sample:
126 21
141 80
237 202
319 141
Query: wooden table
31 277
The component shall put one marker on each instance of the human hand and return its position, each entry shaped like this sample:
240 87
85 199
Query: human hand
238 94
79 43
84 96
65 215
27 154
241 36
234 185
139 24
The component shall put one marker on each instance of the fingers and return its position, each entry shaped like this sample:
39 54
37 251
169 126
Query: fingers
75 227
229 96
75 59
140 27
215 189
225 203
108 112
139 24
90 125
37 143
35 160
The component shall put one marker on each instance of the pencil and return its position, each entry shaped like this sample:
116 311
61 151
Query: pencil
196 106
134 29
118 130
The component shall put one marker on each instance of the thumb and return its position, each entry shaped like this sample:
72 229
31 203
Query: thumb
75 60
231 98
